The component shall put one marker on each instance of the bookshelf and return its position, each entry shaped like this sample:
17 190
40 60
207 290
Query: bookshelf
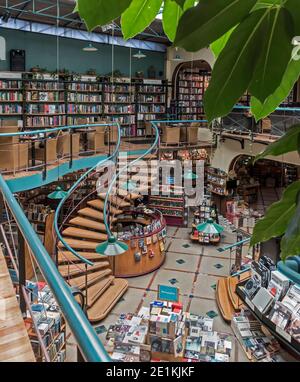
190 88
119 104
173 208
151 102
54 101
11 96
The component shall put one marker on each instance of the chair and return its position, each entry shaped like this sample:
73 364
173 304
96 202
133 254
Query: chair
51 151
64 147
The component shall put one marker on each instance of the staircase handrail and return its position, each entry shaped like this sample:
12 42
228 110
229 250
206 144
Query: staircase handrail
89 343
72 189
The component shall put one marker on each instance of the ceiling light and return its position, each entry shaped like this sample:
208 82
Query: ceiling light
90 48
139 55
177 57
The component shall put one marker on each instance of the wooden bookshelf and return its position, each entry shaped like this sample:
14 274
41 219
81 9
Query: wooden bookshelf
54 101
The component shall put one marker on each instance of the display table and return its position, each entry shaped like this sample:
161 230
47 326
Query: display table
146 249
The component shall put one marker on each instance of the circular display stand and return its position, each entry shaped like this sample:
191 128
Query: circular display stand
146 251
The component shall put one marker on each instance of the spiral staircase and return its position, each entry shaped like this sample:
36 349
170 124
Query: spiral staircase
89 274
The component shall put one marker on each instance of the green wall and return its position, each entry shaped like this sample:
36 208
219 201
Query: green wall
41 50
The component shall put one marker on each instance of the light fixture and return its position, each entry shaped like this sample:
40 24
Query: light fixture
112 247
190 175
90 48
129 186
177 56
58 194
139 55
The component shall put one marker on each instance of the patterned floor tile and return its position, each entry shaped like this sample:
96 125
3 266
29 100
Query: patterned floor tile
184 280
212 266
205 286
181 262
130 302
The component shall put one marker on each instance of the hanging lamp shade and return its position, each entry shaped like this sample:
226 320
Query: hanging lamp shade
58 194
190 175
130 185
139 55
209 227
112 247
90 48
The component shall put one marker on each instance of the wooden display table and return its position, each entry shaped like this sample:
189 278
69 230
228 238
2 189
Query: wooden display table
145 253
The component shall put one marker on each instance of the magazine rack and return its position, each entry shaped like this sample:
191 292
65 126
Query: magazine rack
282 336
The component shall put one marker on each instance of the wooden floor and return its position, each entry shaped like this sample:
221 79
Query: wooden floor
14 342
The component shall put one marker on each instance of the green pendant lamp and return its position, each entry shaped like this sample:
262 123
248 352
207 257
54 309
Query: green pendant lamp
209 227
112 247
58 194
129 186
190 175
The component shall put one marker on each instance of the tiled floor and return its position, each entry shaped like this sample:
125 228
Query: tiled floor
195 270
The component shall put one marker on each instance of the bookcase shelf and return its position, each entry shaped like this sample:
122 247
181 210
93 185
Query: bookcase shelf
49 102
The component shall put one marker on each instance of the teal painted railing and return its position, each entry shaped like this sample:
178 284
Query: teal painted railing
125 168
74 187
89 344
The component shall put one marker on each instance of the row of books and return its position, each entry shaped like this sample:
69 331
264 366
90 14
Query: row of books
10 109
85 87
190 97
275 297
118 88
190 91
37 212
146 117
111 109
192 84
124 120
47 85
82 97
81 109
10 84
42 96
258 344
120 98
152 98
152 108
56 120
151 89
46 109
191 110
49 321
11 96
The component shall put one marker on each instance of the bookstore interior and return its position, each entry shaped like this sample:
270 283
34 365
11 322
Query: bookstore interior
136 226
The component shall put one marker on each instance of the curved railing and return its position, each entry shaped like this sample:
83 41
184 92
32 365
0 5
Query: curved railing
125 168
74 187
89 343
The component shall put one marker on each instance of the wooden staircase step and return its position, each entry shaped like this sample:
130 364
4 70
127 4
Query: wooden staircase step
91 213
96 290
92 278
107 300
84 234
87 223
66 257
116 200
223 300
79 244
74 270
99 205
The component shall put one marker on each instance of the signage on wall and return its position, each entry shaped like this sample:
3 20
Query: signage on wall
2 49
168 293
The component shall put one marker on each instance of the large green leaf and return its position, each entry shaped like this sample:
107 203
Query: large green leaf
262 110
288 143
100 12
290 243
275 54
210 20
293 7
178 2
233 69
138 16
278 216
171 16
219 44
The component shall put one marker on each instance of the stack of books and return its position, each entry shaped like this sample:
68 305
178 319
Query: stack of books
256 341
